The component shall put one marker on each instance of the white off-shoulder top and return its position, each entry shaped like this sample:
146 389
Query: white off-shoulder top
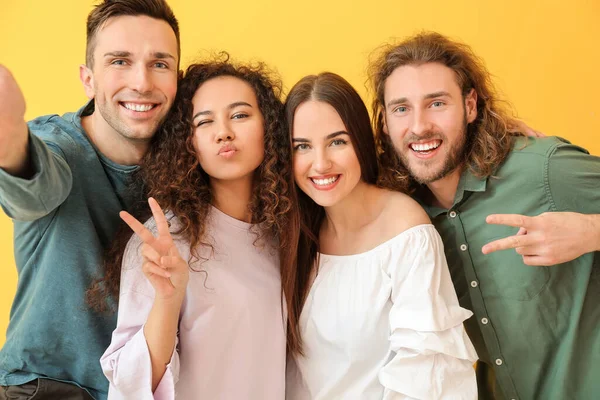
385 324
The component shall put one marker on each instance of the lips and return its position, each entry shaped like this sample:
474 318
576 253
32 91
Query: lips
138 107
424 147
227 151
326 182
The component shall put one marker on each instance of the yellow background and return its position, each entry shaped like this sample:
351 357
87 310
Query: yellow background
543 53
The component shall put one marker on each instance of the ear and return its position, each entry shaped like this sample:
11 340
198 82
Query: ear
384 123
471 106
87 78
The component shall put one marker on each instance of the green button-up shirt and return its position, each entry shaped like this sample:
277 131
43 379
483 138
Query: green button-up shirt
536 329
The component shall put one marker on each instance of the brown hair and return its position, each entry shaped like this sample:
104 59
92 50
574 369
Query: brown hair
488 141
334 90
170 172
107 9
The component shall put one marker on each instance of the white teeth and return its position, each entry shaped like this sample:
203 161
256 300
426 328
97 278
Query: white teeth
138 107
426 146
323 182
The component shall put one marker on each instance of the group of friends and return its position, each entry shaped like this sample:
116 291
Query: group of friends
293 247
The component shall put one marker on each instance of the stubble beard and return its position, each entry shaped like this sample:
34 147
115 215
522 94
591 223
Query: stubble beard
453 160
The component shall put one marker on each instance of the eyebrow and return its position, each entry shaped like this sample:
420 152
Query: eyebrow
330 136
433 95
229 107
158 54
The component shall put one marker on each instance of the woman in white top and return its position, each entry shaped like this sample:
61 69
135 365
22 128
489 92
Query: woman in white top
201 312
379 315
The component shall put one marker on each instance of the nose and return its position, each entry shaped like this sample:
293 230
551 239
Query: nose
141 81
322 162
224 132
420 124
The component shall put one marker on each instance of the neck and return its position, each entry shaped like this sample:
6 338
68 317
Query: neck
114 146
444 190
353 212
233 197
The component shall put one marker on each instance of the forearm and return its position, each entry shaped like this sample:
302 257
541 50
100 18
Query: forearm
161 333
14 150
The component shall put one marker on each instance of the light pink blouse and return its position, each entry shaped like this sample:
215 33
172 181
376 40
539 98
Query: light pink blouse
231 339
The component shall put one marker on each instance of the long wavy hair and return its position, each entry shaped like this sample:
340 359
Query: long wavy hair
171 173
488 140
334 90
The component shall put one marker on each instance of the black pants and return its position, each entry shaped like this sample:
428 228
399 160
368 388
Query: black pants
44 389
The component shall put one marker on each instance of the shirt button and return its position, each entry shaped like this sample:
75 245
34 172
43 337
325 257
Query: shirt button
474 284
452 214
498 361
484 321
463 247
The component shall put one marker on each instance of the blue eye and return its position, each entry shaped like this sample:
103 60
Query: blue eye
301 146
436 104
338 142
161 65
401 109
118 62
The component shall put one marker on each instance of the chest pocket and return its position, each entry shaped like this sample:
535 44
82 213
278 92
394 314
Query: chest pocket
502 274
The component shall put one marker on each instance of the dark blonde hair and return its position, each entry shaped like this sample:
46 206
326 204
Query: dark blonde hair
107 9
488 140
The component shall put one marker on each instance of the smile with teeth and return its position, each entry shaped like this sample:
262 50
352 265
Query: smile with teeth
138 107
426 147
326 181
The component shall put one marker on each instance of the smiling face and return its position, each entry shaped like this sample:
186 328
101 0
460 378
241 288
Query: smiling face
133 80
326 167
228 129
426 117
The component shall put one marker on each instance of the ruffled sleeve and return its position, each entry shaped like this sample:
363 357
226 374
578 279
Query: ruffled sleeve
126 363
433 354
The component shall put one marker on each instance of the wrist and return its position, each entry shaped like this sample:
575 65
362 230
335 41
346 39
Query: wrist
595 230
14 152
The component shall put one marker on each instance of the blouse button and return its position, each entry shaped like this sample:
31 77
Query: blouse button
463 247
484 321
474 284
452 214
498 361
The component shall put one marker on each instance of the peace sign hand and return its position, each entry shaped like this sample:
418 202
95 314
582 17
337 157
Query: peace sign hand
163 266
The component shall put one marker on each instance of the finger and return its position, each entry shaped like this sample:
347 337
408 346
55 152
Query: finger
540 134
515 220
522 231
536 261
137 227
172 261
149 268
511 242
527 251
149 253
161 221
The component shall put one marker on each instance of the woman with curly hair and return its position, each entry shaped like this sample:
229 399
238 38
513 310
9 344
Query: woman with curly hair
379 317
202 310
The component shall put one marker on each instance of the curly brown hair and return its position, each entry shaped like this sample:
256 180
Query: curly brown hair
488 140
171 173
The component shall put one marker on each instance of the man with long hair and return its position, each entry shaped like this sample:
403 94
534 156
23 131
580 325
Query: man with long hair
63 181
441 127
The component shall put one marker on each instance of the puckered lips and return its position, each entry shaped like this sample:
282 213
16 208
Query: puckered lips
227 151
140 109
325 182
426 148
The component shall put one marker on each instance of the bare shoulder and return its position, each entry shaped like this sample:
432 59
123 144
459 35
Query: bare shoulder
402 212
